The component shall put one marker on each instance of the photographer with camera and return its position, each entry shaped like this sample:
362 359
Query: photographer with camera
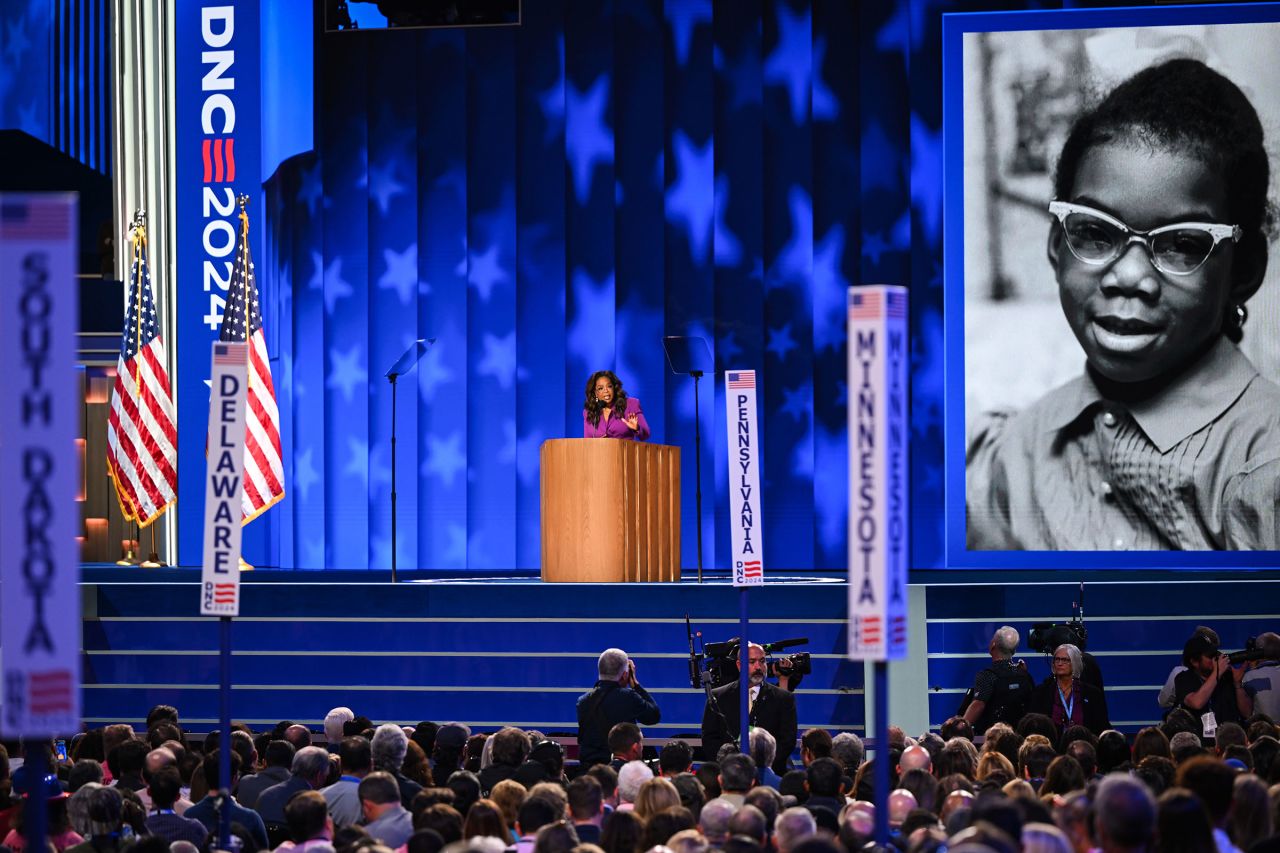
1263 681
771 708
1210 688
616 698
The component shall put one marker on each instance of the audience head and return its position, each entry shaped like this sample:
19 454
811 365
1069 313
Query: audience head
763 747
334 721
1185 745
815 743
737 773
613 664
388 748
306 815
1124 816
792 827
956 726
714 820
586 801
484 818
466 789
1004 643
555 838
631 776
847 748
626 741
1210 780
655 795
1182 824
510 747
676 757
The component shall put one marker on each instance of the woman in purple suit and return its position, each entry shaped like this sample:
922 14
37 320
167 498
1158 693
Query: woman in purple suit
609 412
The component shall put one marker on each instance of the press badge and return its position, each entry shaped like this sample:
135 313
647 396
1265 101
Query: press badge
1209 722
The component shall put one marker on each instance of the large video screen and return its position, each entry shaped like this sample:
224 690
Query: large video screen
1112 321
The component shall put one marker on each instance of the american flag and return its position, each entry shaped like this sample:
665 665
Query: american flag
142 441
263 470
870 630
742 379
752 569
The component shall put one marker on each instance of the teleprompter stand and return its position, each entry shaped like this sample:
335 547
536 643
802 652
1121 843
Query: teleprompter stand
691 356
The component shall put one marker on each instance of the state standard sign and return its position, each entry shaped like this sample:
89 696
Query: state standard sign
878 430
220 578
39 468
744 476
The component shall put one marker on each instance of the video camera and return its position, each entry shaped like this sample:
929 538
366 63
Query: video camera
721 661
1047 636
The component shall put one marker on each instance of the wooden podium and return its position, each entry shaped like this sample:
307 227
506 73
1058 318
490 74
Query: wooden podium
610 511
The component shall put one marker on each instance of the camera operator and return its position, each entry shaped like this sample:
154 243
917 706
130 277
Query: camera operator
616 698
771 708
1263 681
1210 688
1001 691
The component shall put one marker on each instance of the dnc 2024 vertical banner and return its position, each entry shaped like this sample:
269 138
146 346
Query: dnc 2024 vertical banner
219 149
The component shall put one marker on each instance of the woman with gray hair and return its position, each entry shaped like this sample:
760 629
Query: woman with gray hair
1067 700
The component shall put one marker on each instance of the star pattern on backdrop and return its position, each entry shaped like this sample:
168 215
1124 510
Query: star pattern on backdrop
822 101
688 200
798 402
593 304
588 139
311 187
780 343
304 472
401 274
499 359
728 249
794 261
829 290
789 63
383 186
484 271
347 374
16 41
685 17
444 458
331 281
433 373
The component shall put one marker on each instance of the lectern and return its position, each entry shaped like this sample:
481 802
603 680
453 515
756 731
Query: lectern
610 511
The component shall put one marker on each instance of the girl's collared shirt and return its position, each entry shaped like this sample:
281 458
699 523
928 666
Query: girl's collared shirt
1195 467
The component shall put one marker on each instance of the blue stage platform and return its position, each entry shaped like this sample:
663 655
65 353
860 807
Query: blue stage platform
502 649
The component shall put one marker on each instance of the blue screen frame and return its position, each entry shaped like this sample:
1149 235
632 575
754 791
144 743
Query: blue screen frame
954 28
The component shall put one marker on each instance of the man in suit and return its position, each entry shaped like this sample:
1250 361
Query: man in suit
771 708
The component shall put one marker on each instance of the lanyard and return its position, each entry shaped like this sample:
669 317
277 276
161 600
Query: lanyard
1068 706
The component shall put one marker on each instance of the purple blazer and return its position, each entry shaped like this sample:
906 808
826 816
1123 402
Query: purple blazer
616 427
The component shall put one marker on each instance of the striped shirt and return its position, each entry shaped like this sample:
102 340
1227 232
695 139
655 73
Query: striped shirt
1194 467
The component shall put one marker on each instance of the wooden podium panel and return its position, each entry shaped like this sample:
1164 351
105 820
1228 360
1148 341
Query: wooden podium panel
610 511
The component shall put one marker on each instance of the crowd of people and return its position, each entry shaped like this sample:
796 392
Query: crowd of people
1020 767
369 788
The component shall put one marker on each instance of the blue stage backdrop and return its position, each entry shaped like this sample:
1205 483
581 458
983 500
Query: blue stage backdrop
553 199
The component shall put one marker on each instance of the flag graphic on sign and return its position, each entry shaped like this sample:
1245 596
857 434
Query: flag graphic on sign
142 438
35 220
224 593
50 692
865 306
746 379
753 569
895 305
870 632
263 469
